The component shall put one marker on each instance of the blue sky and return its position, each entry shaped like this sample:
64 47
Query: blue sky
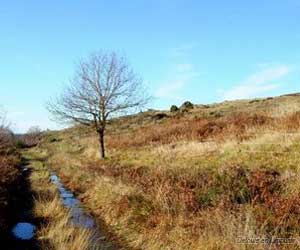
203 51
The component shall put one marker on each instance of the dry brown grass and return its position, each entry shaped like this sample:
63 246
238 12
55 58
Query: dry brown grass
196 183
179 129
9 181
56 231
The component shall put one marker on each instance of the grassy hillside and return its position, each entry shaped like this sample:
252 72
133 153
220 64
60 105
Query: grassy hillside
197 179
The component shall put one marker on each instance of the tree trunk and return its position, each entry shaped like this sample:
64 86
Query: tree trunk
102 146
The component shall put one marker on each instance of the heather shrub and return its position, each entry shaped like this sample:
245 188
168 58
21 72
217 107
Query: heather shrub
174 108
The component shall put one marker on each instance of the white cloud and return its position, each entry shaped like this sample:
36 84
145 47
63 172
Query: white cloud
182 50
258 83
184 67
181 75
171 89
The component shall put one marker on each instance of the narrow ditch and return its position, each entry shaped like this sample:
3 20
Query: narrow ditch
22 234
24 227
78 216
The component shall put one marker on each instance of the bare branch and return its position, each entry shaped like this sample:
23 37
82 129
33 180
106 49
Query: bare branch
103 85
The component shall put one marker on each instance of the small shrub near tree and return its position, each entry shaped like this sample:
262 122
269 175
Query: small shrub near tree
174 108
186 106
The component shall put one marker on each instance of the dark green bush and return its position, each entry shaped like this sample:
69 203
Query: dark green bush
20 144
159 116
174 108
187 105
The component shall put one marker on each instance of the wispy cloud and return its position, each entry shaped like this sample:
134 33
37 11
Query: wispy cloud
259 83
180 73
184 67
180 76
182 50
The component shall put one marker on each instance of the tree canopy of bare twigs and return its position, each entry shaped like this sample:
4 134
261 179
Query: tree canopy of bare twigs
5 132
104 85
32 136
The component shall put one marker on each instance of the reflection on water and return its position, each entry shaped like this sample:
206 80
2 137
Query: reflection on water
24 231
78 216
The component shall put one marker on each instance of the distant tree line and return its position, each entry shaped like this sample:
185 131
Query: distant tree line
8 139
31 138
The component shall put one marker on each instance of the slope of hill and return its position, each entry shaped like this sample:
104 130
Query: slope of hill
199 179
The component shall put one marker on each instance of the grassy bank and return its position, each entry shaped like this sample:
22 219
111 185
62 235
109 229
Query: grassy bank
55 231
195 180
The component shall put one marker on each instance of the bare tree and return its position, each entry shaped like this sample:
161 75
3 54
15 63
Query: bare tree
32 136
5 132
104 85
34 130
3 120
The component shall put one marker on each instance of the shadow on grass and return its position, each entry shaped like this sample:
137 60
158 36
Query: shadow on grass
19 210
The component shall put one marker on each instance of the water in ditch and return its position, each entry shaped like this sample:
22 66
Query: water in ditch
78 216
